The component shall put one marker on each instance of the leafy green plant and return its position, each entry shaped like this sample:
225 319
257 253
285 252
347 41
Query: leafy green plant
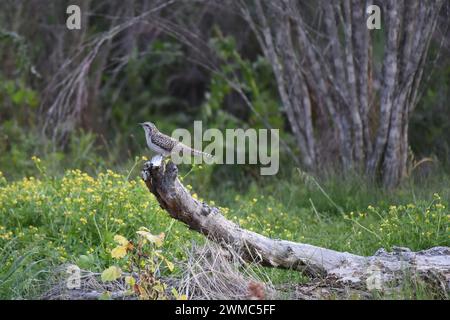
18 146
143 261
254 78
47 220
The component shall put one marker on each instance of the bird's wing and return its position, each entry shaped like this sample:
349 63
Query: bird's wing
163 141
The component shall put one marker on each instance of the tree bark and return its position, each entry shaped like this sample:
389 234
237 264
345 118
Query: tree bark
322 61
342 267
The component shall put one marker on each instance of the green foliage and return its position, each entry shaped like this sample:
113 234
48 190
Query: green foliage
13 41
18 94
111 274
144 85
50 215
418 226
19 144
422 225
77 218
74 218
17 97
144 260
254 78
430 123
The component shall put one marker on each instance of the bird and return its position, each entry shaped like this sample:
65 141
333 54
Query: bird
163 144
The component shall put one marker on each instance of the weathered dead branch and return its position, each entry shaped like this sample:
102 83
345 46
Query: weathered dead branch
90 288
340 267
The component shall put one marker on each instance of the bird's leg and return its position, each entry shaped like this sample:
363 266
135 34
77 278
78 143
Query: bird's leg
166 158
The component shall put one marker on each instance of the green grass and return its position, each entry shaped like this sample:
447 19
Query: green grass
49 220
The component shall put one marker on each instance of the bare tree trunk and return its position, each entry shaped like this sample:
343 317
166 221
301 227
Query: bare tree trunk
342 267
316 67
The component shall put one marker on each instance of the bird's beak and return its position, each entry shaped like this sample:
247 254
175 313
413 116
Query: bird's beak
141 123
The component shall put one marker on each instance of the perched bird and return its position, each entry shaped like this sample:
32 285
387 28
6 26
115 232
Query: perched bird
163 144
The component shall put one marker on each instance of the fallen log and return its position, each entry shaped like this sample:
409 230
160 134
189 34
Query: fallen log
372 272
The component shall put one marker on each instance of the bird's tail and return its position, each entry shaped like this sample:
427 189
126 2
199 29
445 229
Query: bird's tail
195 152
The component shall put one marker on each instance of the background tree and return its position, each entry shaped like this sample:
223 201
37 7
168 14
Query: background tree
341 94
347 93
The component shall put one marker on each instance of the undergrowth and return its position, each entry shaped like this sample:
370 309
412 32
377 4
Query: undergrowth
48 220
